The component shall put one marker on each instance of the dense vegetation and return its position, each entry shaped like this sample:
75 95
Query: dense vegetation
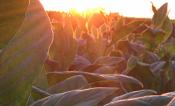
84 60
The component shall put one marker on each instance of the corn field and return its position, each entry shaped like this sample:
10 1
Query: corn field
70 59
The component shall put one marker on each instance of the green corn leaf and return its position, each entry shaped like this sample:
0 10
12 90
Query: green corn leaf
161 20
142 72
152 38
86 97
154 8
153 100
160 16
38 93
132 62
55 77
71 83
172 102
169 94
135 94
105 70
12 13
167 27
79 62
121 30
64 47
108 60
127 83
22 59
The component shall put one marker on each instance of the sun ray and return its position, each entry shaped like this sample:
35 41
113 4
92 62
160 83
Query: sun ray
132 8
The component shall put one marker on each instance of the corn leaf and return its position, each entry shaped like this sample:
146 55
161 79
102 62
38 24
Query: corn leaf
71 83
22 59
153 100
86 97
64 47
135 94
11 17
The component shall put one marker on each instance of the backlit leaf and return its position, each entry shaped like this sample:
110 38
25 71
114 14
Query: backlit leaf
71 83
12 14
153 100
22 59
172 102
160 15
135 94
64 47
86 97
55 77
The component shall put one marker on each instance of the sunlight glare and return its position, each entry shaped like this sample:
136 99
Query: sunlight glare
132 8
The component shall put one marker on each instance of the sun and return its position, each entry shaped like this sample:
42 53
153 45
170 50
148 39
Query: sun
120 6
131 8
67 5
82 5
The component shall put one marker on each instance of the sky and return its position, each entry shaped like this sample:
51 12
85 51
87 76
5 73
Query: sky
131 8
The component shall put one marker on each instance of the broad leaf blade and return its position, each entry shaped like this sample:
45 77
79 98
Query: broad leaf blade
55 77
11 17
22 59
135 94
160 16
172 102
72 83
154 100
86 97
38 93
64 47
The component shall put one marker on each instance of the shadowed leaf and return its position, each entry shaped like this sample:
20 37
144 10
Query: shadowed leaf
71 83
38 93
22 59
135 94
153 100
110 61
79 63
169 94
55 77
64 47
121 29
11 17
86 97
127 83
172 102
160 15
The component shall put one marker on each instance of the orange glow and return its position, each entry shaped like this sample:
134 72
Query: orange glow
67 5
133 8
